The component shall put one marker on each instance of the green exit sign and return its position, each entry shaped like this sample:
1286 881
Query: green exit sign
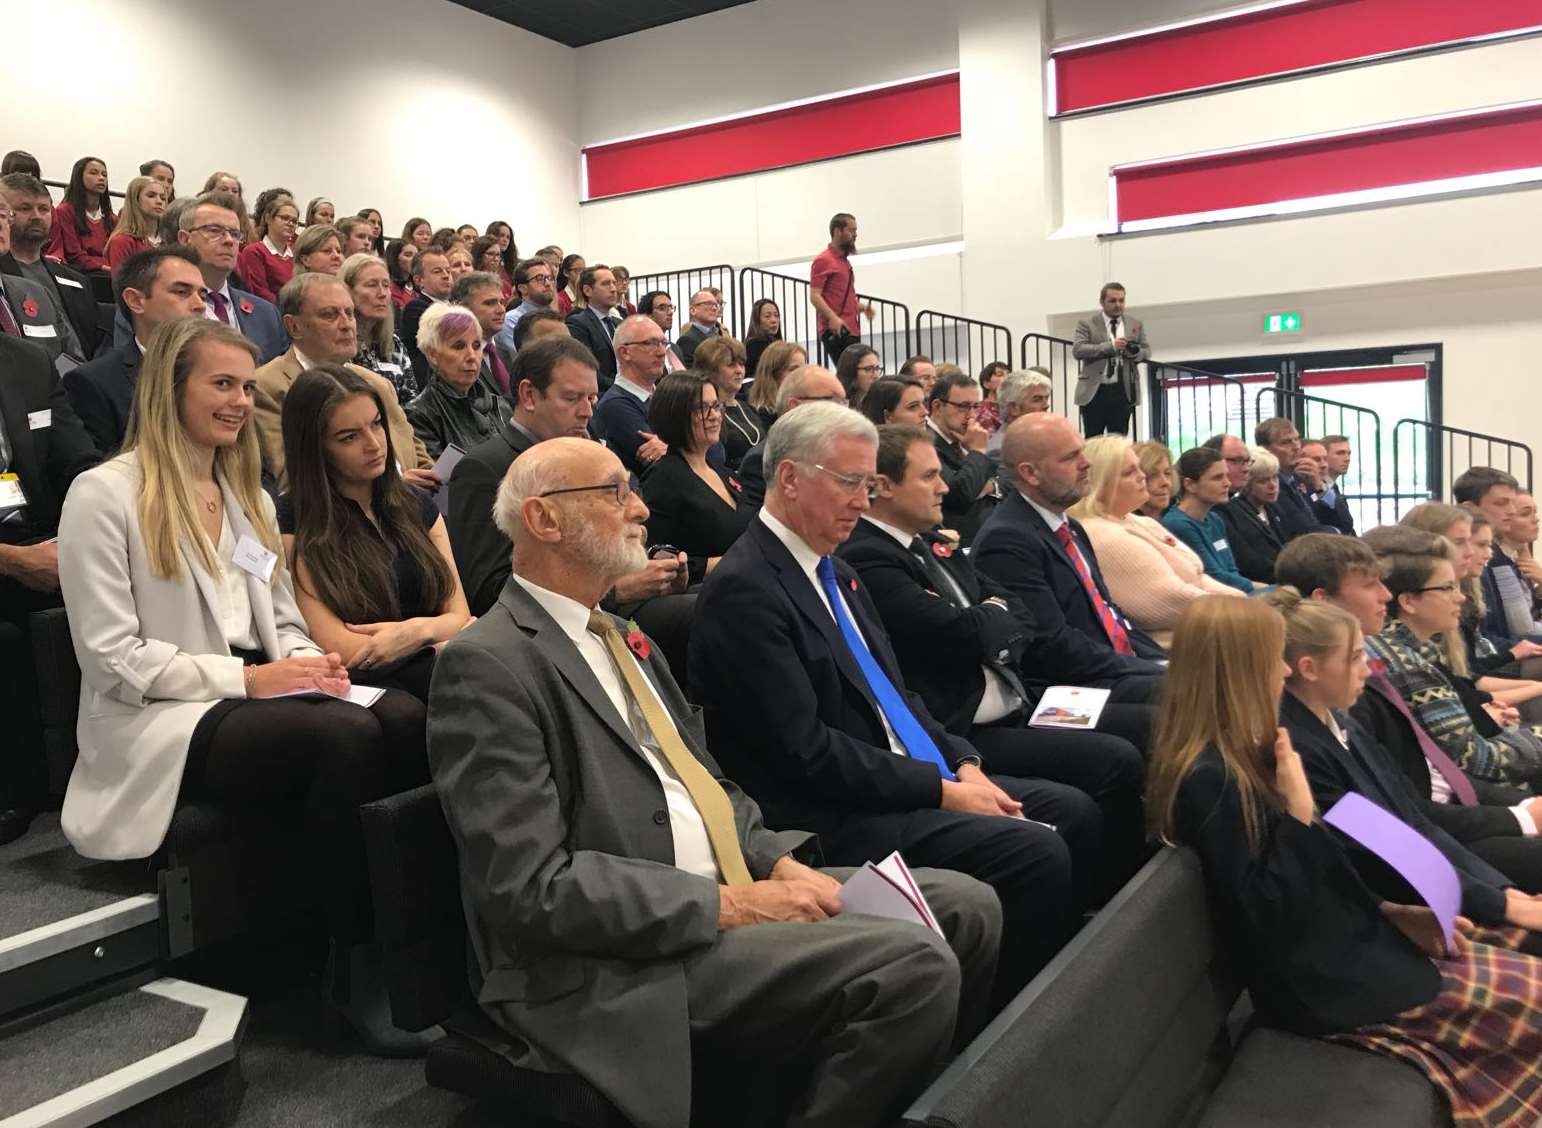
1282 323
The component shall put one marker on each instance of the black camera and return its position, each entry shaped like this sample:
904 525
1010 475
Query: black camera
1132 347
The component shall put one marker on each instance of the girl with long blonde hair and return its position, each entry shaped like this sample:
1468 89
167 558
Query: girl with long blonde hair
139 223
192 651
1320 953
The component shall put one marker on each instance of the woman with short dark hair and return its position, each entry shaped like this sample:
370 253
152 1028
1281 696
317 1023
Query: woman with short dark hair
374 576
765 327
896 399
692 504
988 413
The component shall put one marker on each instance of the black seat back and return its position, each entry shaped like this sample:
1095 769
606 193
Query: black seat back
419 923
58 681
1116 1032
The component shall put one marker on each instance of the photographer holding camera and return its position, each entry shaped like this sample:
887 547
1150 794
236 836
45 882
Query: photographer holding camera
1110 347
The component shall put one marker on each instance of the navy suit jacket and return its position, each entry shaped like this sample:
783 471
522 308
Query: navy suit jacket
584 325
257 317
786 703
46 458
102 394
1016 549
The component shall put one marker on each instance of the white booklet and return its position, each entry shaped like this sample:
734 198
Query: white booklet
365 695
449 458
888 889
1069 707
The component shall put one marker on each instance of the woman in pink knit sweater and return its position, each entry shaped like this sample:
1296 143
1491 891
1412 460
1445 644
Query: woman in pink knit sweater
1149 572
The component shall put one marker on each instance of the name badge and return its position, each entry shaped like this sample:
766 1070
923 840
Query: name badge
40 330
1220 545
37 420
387 366
63 281
251 557
12 496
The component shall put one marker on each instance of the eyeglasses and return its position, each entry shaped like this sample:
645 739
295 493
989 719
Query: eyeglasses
1449 589
216 231
1242 460
621 490
851 483
648 343
707 410
707 305
960 403
537 278
869 368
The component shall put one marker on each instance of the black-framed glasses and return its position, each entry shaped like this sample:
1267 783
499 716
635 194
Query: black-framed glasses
649 343
960 403
851 483
1449 589
707 410
1241 460
622 490
215 231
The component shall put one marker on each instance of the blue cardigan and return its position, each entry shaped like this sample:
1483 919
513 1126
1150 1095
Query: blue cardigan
1208 540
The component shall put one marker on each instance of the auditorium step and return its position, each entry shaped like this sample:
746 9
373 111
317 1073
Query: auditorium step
67 923
83 1062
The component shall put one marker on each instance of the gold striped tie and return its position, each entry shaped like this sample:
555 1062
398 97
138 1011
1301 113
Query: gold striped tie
712 802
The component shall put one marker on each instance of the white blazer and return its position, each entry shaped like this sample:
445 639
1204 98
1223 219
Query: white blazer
127 625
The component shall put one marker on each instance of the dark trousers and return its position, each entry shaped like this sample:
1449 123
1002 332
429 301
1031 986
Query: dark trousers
1518 858
833 344
1108 768
1042 876
1108 412
317 760
23 772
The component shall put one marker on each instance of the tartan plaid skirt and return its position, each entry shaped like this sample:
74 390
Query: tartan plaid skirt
1480 1040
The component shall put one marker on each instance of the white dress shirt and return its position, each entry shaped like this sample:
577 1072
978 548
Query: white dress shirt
1051 518
999 699
808 561
693 850
642 393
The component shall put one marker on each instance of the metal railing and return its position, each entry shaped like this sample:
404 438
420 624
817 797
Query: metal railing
63 186
1363 486
963 341
1053 354
681 284
889 331
1436 455
1188 405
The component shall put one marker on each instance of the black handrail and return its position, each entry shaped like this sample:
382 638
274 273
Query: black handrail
1054 355
1363 482
681 284
1202 405
963 341
64 186
888 331
1439 457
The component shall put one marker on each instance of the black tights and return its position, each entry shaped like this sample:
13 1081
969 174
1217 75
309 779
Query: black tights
323 759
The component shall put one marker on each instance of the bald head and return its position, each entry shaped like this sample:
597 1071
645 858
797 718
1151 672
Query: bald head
1043 453
809 384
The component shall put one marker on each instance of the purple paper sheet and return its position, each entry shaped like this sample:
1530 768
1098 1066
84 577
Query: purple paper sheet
1405 850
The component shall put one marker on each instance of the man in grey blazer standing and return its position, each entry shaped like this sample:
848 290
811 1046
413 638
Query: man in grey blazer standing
1111 347
625 900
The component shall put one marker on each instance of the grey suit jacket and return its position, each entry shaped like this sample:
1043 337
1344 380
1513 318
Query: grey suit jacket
580 921
35 313
1092 346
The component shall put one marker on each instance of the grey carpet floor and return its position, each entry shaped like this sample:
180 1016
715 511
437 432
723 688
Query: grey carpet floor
43 880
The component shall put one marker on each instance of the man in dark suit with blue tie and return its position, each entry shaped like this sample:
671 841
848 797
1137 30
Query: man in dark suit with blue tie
153 286
594 325
805 700
1030 547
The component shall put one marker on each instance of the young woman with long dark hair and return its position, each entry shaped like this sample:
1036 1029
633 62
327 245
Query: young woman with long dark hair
84 219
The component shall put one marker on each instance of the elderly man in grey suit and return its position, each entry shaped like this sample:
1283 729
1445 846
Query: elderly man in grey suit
1111 347
625 900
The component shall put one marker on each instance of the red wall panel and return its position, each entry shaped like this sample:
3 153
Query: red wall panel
1489 142
1319 33
1379 374
836 127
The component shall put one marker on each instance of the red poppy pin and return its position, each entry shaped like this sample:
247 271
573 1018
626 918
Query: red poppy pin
29 308
246 306
735 484
942 549
853 584
636 641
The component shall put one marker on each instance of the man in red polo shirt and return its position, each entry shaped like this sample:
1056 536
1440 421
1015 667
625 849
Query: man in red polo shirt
833 290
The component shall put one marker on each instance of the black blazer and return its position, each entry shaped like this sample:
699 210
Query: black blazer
1337 514
965 472
1016 549
685 512
942 648
48 457
1393 732
1254 543
76 296
481 551
1365 768
102 393
407 330
685 344
1308 936
584 325
786 704
1297 515
752 475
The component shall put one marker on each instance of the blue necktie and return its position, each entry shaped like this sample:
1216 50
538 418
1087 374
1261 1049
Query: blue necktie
900 718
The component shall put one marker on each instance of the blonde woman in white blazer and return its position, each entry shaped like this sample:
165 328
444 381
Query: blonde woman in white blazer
1151 574
185 626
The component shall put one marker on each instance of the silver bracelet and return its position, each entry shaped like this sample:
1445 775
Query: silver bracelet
250 676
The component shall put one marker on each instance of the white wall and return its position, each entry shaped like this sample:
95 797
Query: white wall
351 102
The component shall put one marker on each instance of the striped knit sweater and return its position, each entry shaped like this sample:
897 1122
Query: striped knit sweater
1413 667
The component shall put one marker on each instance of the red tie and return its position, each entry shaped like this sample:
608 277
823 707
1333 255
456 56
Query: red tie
221 306
500 372
1117 636
1461 786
